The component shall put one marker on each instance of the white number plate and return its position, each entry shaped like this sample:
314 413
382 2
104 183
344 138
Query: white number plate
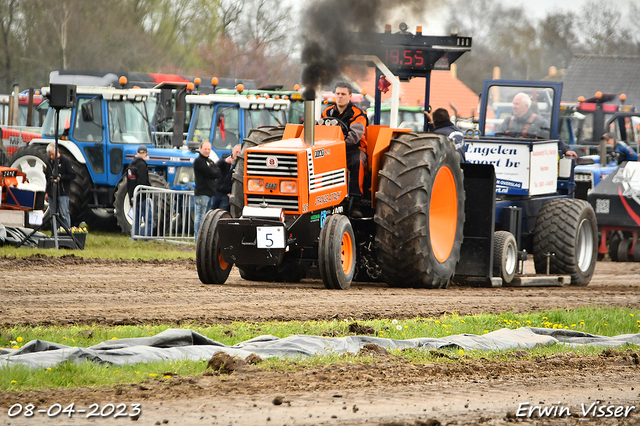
270 236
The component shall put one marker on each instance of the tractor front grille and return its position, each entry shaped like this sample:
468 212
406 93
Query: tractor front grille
288 203
262 164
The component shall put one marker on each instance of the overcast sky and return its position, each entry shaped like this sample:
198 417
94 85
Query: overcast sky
536 8
433 25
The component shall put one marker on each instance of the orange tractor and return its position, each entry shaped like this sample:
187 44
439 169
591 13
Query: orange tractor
292 212
426 218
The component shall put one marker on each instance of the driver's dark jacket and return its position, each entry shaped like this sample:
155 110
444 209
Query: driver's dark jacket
529 126
357 121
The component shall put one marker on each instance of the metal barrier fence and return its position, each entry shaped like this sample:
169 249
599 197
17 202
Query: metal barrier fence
162 214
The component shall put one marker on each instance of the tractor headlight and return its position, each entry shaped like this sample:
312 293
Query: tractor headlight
288 186
255 185
184 175
583 177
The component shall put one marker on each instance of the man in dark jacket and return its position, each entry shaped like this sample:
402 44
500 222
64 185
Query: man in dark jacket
442 125
63 178
227 165
206 172
138 174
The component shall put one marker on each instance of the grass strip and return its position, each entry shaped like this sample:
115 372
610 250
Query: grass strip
593 320
112 246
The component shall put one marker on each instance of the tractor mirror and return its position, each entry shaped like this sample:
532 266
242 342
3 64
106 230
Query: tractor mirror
87 112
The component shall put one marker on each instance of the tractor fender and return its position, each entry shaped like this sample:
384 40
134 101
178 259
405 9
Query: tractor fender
69 145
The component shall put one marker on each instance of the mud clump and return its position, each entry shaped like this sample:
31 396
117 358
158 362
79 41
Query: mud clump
371 349
223 363
253 359
356 328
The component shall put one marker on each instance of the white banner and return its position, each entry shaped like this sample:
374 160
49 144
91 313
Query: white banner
510 160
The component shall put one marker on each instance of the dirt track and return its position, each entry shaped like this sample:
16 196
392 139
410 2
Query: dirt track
72 290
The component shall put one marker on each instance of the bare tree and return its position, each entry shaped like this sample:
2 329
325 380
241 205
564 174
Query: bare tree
558 39
8 12
601 28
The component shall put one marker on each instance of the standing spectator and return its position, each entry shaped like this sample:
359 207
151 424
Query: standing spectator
227 165
138 174
64 177
206 173
442 125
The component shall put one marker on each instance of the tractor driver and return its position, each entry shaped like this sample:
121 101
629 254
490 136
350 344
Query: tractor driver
524 123
354 136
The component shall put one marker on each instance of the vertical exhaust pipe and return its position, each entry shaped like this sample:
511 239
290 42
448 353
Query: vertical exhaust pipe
309 117
603 152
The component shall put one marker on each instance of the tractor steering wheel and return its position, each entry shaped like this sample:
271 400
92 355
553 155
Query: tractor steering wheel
334 121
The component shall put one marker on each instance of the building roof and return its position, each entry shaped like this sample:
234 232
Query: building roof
445 89
588 74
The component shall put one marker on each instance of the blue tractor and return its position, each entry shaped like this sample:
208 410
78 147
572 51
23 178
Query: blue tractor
534 210
595 117
99 135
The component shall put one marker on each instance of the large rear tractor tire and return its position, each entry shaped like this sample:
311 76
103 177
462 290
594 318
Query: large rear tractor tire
419 212
212 269
567 229
337 253
32 159
505 255
257 137
122 205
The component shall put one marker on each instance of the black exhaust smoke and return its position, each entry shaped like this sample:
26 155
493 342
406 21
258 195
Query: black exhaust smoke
328 26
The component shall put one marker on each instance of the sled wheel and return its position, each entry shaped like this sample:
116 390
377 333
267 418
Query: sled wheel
212 268
258 136
616 237
636 252
337 253
623 250
505 255
419 211
566 227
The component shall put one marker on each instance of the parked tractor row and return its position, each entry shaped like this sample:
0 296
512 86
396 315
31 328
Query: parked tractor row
106 124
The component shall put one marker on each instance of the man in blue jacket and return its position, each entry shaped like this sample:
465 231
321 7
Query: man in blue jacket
624 151
442 125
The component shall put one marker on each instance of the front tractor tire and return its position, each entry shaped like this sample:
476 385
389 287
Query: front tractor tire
566 232
257 137
419 212
212 269
122 204
337 253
